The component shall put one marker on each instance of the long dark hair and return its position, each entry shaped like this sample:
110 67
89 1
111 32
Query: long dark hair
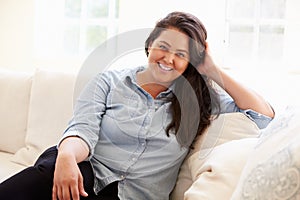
194 96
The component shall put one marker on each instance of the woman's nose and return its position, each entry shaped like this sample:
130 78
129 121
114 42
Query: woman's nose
169 57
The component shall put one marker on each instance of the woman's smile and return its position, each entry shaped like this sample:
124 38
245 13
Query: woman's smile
168 56
164 67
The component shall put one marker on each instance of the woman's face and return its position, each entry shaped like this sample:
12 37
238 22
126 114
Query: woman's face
168 56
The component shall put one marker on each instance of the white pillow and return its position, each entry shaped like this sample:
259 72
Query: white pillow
14 101
273 169
216 177
51 105
211 162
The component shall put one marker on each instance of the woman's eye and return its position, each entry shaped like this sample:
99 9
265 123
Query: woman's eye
181 55
163 47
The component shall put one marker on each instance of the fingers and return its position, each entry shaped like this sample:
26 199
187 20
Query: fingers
75 193
62 194
67 191
81 187
54 193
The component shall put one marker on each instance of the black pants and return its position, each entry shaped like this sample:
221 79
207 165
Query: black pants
35 183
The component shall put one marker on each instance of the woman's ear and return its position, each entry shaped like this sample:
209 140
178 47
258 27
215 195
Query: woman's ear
148 49
149 46
206 46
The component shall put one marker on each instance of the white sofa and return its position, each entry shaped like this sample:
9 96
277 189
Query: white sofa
35 109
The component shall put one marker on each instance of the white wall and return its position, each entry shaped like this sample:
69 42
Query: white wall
144 14
17 20
292 42
16 34
17 31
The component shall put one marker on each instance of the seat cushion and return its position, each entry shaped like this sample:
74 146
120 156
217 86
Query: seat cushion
8 168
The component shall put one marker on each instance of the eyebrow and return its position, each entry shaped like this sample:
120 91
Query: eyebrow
182 50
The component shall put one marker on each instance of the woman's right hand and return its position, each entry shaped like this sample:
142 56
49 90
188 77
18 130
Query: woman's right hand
68 180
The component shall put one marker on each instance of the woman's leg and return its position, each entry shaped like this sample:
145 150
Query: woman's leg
33 183
110 192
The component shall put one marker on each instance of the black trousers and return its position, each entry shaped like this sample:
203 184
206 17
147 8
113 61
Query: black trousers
35 183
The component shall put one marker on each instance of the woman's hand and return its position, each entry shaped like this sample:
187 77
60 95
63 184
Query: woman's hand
243 97
208 67
68 181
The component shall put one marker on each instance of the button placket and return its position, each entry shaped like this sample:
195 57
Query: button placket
122 177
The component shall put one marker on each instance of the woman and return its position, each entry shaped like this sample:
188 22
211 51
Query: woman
131 129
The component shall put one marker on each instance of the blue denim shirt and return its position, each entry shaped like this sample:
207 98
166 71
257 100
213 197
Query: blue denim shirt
124 128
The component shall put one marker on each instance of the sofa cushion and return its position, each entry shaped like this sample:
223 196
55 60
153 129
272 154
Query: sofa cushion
15 93
50 109
273 168
217 177
201 173
8 168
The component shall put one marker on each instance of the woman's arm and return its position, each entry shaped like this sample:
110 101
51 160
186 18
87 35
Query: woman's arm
244 97
75 147
68 180
79 140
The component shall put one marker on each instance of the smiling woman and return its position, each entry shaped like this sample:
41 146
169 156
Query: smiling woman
132 128
168 58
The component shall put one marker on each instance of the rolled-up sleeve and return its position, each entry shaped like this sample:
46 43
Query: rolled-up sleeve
88 112
228 105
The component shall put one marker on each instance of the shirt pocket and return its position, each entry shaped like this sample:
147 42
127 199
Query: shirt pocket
122 105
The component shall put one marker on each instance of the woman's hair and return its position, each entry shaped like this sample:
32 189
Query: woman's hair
194 97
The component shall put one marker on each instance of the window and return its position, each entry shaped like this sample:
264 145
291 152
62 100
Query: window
73 28
255 30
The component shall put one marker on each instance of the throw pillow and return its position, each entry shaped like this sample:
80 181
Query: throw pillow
273 169
202 169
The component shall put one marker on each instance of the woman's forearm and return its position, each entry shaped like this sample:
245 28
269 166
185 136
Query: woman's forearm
74 147
244 97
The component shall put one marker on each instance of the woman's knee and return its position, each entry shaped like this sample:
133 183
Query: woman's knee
45 164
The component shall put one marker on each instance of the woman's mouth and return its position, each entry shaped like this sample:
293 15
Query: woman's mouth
165 68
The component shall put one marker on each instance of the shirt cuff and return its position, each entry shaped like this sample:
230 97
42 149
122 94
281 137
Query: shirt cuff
262 121
81 136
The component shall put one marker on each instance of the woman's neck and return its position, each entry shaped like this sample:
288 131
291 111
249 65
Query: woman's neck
153 89
150 86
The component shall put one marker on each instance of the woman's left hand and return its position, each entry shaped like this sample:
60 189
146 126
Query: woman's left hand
208 66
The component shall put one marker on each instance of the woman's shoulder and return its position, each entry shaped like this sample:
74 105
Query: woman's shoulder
119 73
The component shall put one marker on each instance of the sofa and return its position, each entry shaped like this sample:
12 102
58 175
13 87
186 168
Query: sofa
36 107
34 111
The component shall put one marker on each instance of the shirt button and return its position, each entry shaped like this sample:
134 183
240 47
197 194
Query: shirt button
133 159
143 144
122 177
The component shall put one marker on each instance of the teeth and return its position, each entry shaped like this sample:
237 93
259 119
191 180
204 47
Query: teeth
165 68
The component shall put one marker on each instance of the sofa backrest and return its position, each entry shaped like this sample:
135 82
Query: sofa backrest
15 94
50 109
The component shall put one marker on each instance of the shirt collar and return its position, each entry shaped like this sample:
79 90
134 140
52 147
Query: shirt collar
132 77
